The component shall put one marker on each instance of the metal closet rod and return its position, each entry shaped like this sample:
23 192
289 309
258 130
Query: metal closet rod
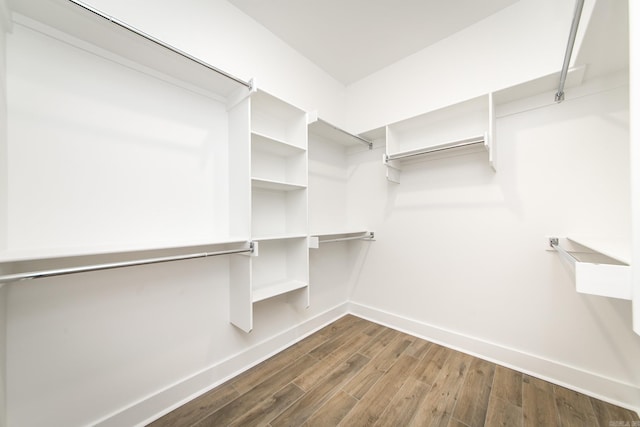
361 139
567 54
367 236
108 266
472 141
554 242
159 42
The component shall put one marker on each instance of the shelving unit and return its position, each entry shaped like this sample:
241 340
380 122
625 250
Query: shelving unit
135 105
595 272
280 265
462 128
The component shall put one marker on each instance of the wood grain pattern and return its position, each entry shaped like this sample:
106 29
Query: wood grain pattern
355 373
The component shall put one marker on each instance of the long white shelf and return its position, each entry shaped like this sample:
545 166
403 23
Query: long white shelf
264 238
274 289
594 272
90 26
52 253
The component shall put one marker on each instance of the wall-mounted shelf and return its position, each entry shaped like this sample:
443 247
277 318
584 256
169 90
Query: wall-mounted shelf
462 128
82 25
595 273
332 133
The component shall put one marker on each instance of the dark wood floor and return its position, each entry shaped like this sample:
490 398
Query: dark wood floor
355 373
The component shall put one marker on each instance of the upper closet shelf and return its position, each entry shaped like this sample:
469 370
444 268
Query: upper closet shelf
595 272
333 133
458 129
83 26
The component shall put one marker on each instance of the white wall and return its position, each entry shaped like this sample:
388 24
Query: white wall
117 346
499 51
465 246
217 32
634 24
3 211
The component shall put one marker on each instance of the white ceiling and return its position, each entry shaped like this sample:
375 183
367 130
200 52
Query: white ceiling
351 39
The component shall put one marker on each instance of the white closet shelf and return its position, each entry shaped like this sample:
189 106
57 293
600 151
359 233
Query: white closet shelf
462 128
283 236
460 146
329 132
69 252
89 26
273 145
594 272
269 184
271 290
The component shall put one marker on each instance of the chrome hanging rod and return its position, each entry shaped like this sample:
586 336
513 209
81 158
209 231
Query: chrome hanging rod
567 54
108 266
159 42
459 144
367 236
359 138
554 242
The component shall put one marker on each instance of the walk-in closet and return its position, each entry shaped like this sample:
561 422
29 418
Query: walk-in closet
243 212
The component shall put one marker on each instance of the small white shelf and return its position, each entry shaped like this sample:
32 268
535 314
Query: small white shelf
332 133
273 145
594 272
276 185
266 238
269 184
274 289
463 128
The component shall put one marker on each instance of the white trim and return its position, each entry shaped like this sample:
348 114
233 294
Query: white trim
589 383
164 401
173 396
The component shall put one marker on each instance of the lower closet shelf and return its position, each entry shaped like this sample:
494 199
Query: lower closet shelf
594 272
274 289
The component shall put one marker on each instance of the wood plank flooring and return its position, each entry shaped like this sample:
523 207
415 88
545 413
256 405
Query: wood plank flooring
357 373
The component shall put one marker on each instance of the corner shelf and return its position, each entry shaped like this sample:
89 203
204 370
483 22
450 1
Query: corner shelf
462 128
594 272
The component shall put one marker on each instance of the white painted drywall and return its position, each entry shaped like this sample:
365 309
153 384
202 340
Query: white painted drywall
499 51
220 34
465 246
88 347
4 24
634 59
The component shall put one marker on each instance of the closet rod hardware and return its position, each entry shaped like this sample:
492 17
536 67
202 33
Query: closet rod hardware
554 242
160 43
108 266
458 144
567 54
361 139
368 236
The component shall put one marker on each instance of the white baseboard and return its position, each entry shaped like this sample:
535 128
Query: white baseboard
591 384
158 404
154 406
